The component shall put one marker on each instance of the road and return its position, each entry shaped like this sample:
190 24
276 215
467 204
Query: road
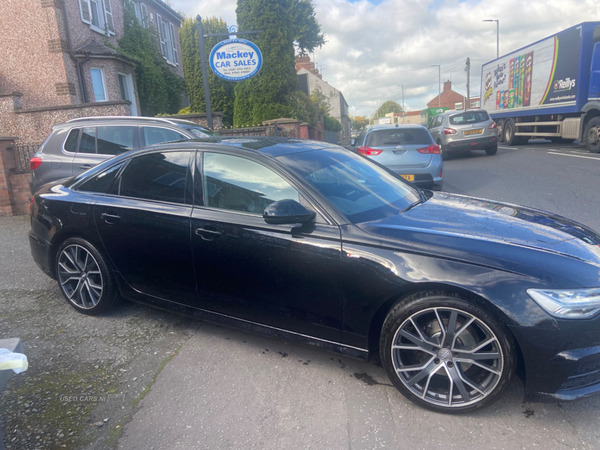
181 384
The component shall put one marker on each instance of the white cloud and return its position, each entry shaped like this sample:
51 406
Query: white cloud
373 48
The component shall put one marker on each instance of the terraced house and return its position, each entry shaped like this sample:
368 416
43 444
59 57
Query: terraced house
61 60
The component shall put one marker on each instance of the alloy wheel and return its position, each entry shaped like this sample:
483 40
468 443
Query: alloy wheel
447 357
79 276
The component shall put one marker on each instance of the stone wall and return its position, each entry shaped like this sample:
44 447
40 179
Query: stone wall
6 166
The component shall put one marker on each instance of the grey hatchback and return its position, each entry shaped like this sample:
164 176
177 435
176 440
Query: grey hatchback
80 144
462 131
406 149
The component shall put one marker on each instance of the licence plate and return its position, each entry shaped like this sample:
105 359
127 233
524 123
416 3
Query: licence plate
408 177
468 132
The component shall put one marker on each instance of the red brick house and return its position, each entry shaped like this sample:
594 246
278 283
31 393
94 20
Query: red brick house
448 98
59 59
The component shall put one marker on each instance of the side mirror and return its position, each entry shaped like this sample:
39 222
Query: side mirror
353 142
287 211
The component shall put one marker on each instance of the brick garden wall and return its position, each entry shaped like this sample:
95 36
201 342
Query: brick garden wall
6 164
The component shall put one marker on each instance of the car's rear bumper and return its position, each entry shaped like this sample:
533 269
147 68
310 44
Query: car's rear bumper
428 176
40 250
471 144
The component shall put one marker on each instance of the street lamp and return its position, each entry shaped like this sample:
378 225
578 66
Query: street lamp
439 84
497 35
402 86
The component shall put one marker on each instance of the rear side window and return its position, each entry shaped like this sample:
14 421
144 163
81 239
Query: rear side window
88 141
157 135
101 183
157 176
399 136
71 142
469 117
114 140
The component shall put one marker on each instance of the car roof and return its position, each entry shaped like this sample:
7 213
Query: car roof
163 120
389 126
269 146
460 111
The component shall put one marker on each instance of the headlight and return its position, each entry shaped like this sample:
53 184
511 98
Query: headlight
568 303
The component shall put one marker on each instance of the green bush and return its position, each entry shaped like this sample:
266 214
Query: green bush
332 124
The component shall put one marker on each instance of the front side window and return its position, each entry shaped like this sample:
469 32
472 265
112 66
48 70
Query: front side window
158 135
114 140
99 84
359 189
88 141
238 184
161 176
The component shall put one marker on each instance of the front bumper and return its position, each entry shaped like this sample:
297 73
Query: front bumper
563 363
465 145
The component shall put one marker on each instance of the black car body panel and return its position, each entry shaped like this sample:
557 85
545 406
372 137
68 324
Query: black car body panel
331 283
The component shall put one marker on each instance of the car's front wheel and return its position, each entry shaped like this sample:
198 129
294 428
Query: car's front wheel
446 354
84 278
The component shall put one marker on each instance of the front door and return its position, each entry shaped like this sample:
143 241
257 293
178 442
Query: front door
284 276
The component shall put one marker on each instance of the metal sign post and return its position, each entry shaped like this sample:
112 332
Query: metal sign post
231 31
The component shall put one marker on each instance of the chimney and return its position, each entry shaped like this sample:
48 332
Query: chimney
447 86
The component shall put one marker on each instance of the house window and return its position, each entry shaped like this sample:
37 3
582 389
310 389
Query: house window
99 84
98 14
168 43
141 12
127 92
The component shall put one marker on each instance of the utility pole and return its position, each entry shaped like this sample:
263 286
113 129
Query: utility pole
439 84
402 86
468 69
200 30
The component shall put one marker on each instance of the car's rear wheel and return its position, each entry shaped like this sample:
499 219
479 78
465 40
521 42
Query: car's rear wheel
492 150
84 278
446 354
444 151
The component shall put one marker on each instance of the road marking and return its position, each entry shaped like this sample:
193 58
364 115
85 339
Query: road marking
574 156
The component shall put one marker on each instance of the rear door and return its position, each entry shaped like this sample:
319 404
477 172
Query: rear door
399 147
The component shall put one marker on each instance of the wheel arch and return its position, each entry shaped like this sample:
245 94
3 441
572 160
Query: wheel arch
67 234
380 315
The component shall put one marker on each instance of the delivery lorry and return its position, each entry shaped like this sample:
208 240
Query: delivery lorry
549 89
428 114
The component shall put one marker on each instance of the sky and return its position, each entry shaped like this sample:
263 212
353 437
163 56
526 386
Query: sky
375 46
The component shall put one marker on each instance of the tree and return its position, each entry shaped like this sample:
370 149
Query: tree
221 91
271 94
359 122
306 27
322 101
388 107
159 89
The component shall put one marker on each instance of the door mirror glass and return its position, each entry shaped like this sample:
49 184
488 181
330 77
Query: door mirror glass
353 142
287 211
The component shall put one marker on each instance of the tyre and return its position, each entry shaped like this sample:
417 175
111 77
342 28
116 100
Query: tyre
84 278
446 354
592 135
509 132
491 150
444 151
500 130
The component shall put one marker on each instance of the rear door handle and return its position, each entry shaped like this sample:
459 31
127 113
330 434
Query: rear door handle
110 218
85 166
208 233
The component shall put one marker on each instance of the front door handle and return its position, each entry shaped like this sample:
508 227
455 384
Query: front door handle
110 218
207 233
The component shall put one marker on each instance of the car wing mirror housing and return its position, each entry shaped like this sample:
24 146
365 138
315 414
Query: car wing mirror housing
287 211
353 142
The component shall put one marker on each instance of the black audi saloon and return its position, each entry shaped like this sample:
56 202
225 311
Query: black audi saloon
311 242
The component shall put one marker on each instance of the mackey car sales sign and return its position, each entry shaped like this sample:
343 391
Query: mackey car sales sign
235 59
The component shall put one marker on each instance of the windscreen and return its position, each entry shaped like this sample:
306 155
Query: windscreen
358 188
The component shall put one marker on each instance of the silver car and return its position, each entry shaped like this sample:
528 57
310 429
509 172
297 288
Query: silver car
82 143
462 131
407 149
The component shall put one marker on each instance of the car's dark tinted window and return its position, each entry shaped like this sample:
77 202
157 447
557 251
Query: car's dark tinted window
399 136
113 140
156 176
101 183
359 189
158 135
88 141
238 184
71 142
469 117
201 132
